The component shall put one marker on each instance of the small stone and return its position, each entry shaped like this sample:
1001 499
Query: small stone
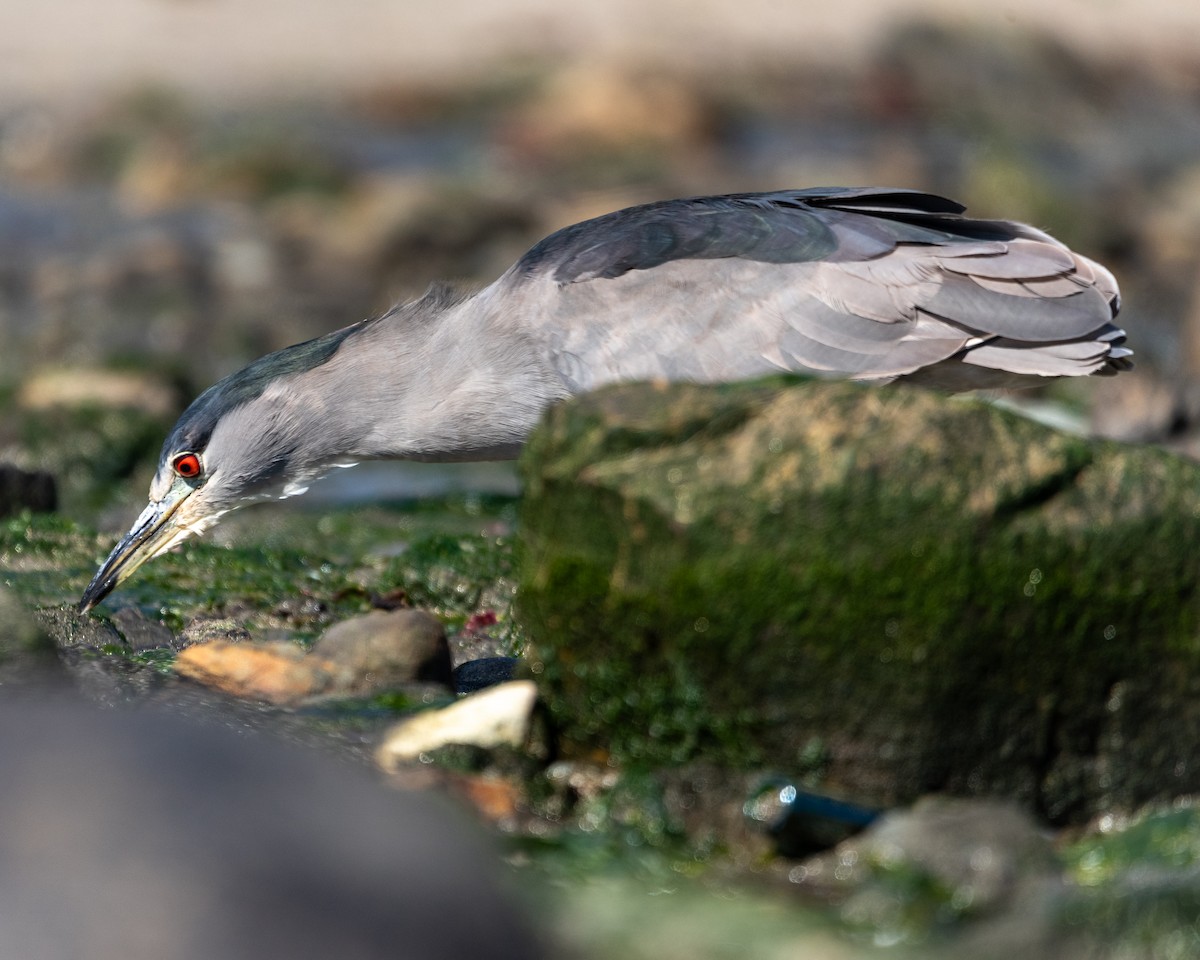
983 865
496 798
280 673
981 851
978 847
140 632
210 629
483 673
498 716
26 490
385 649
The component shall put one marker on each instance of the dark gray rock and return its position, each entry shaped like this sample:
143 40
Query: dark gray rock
137 834
485 672
979 849
388 648
928 593
140 632
26 490
980 866
204 629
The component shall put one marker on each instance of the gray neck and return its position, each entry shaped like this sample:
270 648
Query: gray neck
440 382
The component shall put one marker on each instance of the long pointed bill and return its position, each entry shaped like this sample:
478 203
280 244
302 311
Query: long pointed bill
154 532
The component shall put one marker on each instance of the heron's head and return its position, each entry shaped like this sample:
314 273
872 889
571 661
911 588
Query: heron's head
264 432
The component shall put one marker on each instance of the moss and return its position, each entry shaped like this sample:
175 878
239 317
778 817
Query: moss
939 586
337 563
1164 839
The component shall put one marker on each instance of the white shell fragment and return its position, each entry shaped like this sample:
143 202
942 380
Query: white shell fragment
497 716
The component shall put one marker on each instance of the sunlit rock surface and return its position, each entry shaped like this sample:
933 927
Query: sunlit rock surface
887 590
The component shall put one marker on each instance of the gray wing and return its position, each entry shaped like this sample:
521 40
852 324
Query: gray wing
866 283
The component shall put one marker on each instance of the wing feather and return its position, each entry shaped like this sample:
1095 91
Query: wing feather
859 283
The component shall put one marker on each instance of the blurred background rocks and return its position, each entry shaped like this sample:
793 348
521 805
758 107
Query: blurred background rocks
177 201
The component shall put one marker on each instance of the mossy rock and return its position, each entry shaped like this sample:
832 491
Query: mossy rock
940 594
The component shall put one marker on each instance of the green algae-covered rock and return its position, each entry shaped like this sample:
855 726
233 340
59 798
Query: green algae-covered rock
899 591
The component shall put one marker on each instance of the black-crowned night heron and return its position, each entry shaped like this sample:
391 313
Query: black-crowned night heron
872 284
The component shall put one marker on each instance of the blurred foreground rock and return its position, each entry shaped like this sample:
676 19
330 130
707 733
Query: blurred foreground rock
889 590
983 866
137 835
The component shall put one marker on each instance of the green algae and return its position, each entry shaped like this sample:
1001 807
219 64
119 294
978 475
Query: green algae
288 571
950 596
1162 840
1139 884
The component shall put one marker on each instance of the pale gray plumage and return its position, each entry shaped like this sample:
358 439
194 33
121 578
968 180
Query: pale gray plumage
873 284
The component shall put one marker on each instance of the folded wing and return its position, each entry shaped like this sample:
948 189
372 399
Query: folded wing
869 284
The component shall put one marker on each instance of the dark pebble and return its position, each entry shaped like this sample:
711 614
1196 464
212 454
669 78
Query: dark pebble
486 672
26 489
140 632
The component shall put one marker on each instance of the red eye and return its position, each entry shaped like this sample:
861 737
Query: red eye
187 465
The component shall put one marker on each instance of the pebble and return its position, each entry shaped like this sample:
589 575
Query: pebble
980 860
200 630
498 716
387 648
140 632
279 672
475 675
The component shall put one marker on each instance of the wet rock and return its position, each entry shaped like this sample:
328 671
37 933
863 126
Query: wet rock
498 716
212 629
800 822
980 849
301 611
387 648
140 632
486 672
280 672
938 593
236 837
26 490
69 628
944 862
496 799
